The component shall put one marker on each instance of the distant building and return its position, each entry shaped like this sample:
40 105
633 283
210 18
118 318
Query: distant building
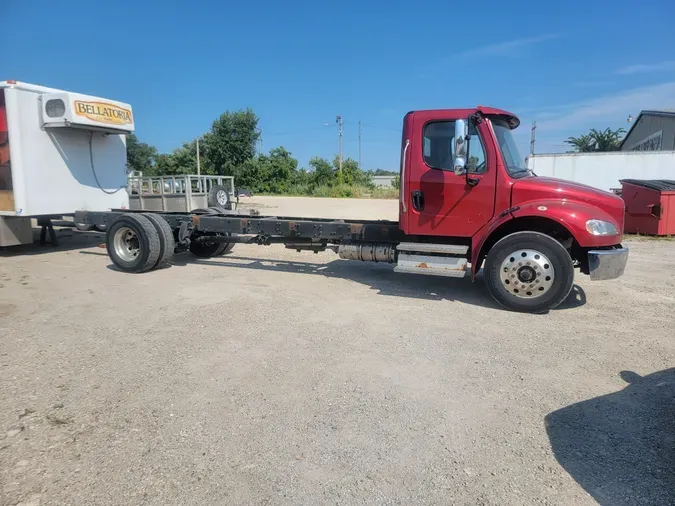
383 181
651 131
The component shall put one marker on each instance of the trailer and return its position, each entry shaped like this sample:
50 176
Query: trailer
62 151
59 151
466 202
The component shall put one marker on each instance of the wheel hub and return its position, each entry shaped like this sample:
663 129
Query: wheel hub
126 244
527 273
221 197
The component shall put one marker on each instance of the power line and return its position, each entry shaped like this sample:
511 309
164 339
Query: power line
292 132
377 127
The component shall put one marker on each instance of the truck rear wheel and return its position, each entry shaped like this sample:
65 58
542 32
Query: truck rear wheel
133 243
167 243
529 272
205 249
225 247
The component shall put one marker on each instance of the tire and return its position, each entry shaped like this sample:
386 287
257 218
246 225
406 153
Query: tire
167 243
133 243
225 247
219 196
205 249
523 264
228 247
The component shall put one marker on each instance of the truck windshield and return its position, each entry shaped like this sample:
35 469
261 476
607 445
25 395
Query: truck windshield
515 164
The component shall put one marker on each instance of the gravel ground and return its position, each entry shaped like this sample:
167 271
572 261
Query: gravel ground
274 377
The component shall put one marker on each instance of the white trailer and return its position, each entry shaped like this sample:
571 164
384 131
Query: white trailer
59 152
604 170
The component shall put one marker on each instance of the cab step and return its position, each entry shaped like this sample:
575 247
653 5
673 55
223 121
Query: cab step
452 267
421 247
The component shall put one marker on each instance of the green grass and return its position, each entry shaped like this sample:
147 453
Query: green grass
339 191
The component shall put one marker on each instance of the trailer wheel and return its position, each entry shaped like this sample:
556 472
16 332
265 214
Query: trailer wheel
133 243
529 272
167 243
219 196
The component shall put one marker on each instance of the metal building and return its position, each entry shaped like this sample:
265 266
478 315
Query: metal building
651 131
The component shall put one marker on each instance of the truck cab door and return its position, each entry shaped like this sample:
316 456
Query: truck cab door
435 201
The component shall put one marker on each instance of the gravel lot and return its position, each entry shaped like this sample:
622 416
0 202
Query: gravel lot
274 377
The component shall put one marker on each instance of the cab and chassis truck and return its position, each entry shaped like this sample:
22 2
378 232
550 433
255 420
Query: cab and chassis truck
467 201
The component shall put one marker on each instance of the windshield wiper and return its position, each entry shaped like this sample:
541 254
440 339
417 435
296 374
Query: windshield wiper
522 171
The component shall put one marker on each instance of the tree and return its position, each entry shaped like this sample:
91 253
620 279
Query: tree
277 170
141 156
351 174
582 144
181 161
230 142
597 141
322 173
607 140
383 172
396 183
268 173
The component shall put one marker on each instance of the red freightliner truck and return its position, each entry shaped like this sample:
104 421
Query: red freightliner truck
466 201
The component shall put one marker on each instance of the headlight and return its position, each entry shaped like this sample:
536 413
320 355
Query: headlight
600 227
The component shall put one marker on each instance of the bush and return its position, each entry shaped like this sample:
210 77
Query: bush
384 193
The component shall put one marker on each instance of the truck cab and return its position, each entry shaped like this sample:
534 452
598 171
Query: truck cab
464 181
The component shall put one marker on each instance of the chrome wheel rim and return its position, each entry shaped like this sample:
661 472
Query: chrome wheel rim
126 244
527 274
221 197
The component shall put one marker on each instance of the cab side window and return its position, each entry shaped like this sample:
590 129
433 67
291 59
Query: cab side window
438 147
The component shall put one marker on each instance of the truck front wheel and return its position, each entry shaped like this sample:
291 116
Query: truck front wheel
529 272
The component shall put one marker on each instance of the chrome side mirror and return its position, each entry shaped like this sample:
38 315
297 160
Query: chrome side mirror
459 159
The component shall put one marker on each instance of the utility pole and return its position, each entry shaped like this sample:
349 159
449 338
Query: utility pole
532 137
338 120
360 168
198 167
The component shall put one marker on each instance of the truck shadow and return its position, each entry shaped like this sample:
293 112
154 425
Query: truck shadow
380 277
620 447
69 239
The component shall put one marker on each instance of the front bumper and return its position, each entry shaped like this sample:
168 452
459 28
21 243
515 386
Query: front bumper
607 263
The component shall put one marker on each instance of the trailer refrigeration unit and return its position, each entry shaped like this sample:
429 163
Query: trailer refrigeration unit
59 152
466 201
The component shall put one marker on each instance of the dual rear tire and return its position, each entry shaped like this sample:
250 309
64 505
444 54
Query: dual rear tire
140 242
211 249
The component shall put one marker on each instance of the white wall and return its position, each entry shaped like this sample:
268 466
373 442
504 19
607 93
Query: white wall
52 170
604 170
383 181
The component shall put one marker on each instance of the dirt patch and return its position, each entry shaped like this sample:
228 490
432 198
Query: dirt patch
7 310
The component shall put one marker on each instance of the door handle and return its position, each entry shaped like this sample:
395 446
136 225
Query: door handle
418 200
402 180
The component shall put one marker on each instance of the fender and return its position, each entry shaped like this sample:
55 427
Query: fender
572 215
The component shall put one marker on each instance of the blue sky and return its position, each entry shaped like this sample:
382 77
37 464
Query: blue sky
568 65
